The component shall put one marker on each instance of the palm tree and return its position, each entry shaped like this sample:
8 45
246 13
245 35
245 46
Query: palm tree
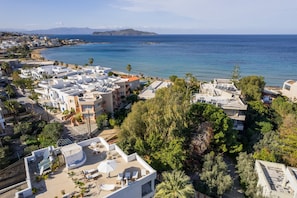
6 67
129 68
12 106
175 184
9 91
91 61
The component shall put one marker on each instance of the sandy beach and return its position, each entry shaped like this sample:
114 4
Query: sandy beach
36 55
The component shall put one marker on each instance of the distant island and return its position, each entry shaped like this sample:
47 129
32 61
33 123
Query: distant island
125 32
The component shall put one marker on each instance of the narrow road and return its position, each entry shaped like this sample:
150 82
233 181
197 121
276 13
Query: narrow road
236 190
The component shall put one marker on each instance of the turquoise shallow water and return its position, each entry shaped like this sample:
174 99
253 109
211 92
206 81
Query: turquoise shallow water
205 56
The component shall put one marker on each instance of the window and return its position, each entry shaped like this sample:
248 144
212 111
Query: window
287 87
146 188
87 108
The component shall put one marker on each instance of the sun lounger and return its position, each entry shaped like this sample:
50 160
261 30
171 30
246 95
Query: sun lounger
93 176
143 172
127 176
91 171
107 187
135 175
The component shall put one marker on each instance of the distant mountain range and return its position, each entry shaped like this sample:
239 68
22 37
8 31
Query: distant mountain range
125 32
65 30
75 30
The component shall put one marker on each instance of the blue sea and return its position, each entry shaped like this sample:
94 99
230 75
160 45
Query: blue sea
205 56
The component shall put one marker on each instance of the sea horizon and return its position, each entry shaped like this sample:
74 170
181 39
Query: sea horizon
206 56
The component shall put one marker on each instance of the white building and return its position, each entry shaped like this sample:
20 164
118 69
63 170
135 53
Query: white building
150 91
290 90
276 180
87 91
131 176
225 95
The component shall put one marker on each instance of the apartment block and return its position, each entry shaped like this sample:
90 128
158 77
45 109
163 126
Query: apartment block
224 94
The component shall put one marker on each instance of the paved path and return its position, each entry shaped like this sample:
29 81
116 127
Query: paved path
236 190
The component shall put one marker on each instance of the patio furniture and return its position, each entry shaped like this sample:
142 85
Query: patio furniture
89 171
127 176
107 187
135 175
119 178
96 151
143 172
93 144
93 176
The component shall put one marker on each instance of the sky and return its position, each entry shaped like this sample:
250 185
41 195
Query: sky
161 16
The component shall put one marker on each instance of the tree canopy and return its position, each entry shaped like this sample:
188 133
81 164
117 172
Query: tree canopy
155 129
215 175
50 134
129 68
161 129
224 137
251 87
175 184
248 177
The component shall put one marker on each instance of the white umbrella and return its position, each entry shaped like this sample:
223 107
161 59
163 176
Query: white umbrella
107 166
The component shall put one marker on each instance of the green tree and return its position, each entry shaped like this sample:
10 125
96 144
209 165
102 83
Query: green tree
173 78
15 76
35 97
13 107
283 107
224 137
10 91
50 134
215 174
5 66
155 125
236 73
175 184
23 128
101 120
248 177
129 68
251 87
112 122
4 156
192 84
265 154
288 139
91 61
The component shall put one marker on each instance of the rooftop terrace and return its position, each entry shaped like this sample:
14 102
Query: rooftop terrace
96 151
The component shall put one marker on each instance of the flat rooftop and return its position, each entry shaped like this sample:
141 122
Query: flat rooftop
64 180
275 175
221 101
150 91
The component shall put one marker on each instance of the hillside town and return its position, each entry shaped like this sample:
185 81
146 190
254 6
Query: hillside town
53 117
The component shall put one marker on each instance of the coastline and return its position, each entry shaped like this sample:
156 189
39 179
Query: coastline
37 56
